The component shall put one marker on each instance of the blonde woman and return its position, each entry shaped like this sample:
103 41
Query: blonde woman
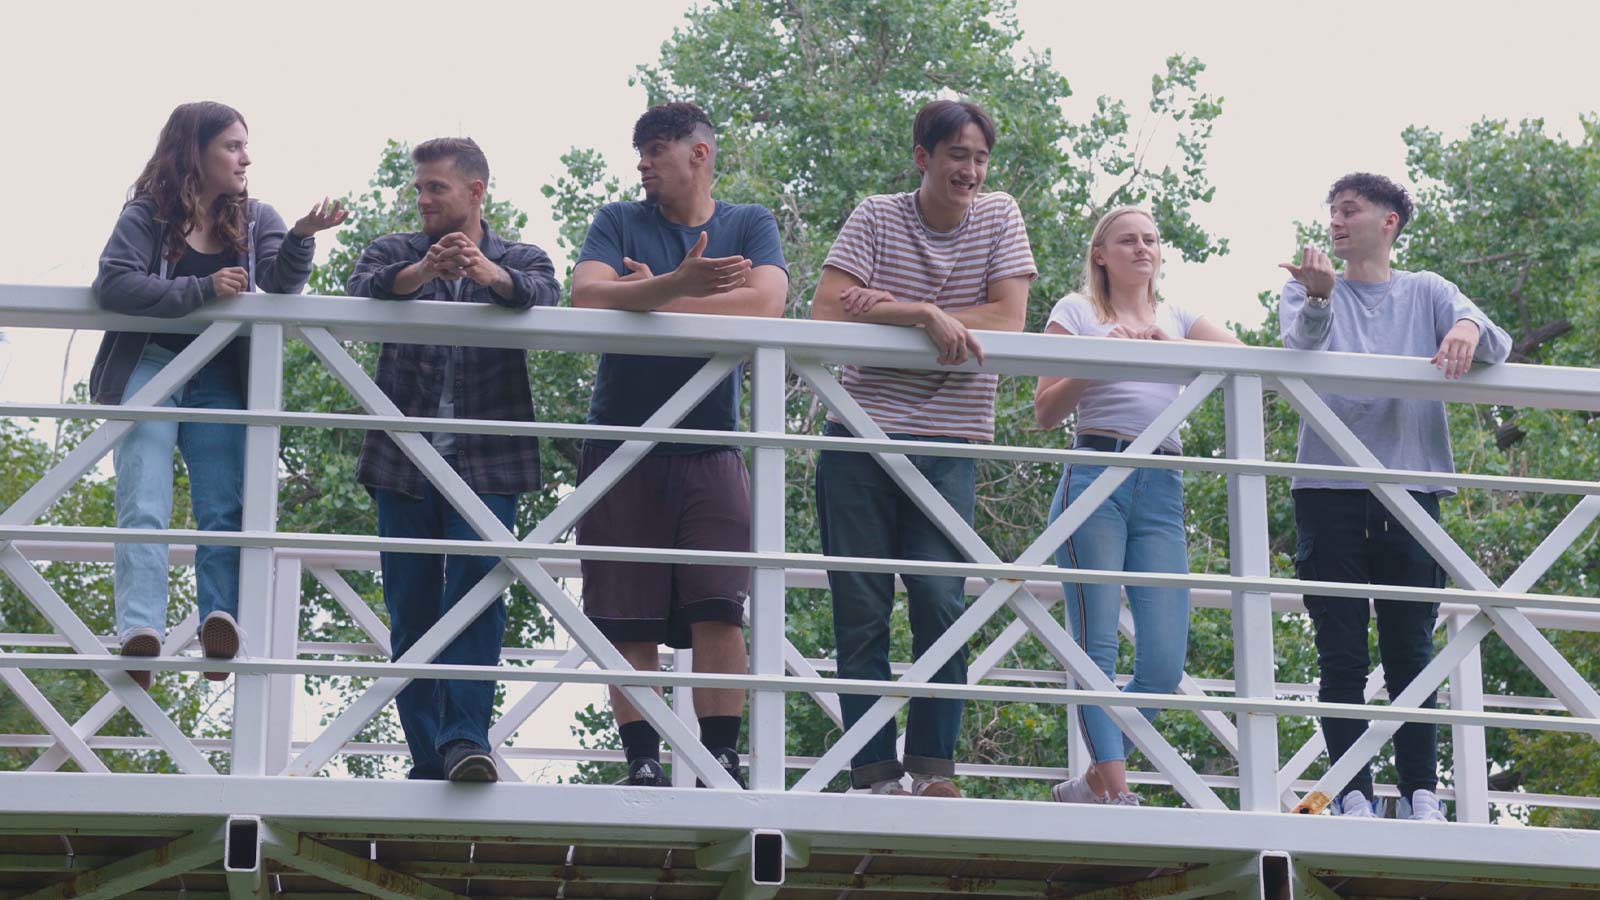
1140 527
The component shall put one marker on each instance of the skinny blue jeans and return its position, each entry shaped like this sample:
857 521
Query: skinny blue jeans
1139 528
214 455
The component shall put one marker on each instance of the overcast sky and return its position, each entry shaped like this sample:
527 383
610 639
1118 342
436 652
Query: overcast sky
1311 90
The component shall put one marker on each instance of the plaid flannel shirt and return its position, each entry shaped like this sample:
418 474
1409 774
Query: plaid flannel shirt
490 383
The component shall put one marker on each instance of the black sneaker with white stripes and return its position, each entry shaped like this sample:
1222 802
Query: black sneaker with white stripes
729 758
646 772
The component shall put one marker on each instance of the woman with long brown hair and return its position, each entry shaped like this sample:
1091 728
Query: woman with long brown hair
189 235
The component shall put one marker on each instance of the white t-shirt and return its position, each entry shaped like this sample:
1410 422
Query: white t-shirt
1123 407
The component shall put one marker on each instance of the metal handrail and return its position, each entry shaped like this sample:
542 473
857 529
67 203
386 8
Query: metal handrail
1254 596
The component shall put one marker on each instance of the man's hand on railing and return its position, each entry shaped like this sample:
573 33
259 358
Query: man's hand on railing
952 338
229 282
1457 349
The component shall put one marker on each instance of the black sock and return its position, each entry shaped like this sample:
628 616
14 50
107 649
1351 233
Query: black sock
719 732
640 741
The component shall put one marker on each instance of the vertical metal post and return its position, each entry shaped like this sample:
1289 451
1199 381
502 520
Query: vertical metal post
255 564
683 706
283 643
1470 753
767 615
1249 555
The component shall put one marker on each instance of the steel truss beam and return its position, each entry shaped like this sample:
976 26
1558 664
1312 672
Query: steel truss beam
789 442
54 723
303 853
124 876
1203 881
65 621
1027 607
830 823
1558 607
566 610
585 330
1519 634
56 482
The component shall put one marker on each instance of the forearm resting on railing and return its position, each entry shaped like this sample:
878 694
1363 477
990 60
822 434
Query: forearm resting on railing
591 289
763 295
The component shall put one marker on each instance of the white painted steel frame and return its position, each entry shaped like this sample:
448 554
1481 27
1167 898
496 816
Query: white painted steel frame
261 742
826 822
587 330
426 457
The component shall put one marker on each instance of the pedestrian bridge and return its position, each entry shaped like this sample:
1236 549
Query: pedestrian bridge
255 809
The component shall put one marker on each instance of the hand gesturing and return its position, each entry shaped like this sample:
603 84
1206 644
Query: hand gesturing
701 276
322 216
1315 272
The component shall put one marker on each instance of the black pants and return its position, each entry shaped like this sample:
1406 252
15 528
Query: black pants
1348 535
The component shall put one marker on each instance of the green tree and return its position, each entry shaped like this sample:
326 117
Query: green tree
1510 213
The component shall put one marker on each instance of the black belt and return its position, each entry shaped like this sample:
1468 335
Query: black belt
1107 444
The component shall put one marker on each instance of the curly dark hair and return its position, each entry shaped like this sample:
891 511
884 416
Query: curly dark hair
674 122
1378 190
171 179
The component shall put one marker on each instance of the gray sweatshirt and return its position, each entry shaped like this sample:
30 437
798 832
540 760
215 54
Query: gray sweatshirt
133 280
1405 316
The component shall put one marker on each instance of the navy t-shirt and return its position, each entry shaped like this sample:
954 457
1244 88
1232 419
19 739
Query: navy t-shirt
628 389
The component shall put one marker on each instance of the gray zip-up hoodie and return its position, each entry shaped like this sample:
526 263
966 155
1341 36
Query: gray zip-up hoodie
133 280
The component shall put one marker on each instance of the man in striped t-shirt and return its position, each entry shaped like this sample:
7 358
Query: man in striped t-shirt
945 259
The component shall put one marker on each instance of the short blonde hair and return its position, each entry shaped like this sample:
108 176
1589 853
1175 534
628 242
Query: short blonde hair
1096 283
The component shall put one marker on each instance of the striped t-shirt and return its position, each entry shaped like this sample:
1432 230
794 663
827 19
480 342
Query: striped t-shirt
886 244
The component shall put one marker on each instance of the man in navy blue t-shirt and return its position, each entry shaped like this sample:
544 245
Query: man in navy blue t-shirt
679 250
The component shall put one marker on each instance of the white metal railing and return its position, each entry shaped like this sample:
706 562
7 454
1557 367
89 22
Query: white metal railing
272 561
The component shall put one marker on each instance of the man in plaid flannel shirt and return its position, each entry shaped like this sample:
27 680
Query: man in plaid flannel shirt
455 258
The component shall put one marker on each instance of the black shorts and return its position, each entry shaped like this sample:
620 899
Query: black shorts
697 501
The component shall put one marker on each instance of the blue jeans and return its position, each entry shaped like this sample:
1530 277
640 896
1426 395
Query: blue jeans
418 588
214 455
862 512
1139 528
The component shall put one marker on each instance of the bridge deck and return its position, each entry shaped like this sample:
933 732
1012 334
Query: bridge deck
74 835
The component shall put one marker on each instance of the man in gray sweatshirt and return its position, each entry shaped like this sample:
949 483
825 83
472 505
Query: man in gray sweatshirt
1344 532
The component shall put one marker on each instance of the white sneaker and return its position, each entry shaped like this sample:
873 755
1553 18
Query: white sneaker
1076 790
1127 798
890 787
219 639
1356 805
141 641
1423 806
